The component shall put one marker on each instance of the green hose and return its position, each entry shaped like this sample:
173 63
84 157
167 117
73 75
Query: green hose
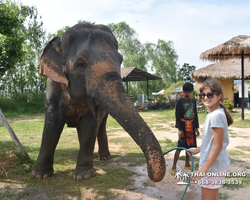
192 166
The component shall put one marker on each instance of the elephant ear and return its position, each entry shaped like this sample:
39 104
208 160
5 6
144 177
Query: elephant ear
51 63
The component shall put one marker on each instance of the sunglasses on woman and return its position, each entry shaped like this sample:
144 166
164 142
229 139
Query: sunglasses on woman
209 95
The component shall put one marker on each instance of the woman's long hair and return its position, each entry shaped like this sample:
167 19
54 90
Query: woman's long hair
215 87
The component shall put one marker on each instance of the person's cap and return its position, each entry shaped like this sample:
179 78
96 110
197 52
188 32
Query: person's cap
188 87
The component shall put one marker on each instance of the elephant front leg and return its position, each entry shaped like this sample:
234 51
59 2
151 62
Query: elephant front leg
87 132
103 152
53 127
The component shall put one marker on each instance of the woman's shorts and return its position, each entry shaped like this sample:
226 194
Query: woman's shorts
213 182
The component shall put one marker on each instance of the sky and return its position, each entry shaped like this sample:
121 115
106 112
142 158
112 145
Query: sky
193 26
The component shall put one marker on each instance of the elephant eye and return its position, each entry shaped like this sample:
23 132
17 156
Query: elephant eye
81 65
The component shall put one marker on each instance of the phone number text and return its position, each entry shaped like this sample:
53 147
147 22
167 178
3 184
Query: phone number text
219 182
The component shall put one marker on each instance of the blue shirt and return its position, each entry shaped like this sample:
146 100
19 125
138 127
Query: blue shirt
215 119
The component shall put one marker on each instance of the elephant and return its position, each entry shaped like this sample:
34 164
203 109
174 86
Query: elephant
84 85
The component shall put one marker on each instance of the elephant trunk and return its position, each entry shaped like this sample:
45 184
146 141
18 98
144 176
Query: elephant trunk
115 100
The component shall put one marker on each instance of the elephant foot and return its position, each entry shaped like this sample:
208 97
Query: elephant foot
103 155
81 173
42 173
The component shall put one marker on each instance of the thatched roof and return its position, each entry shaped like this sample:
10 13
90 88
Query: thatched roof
228 50
223 70
135 74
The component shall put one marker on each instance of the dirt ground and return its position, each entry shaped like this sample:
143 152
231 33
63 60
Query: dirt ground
168 189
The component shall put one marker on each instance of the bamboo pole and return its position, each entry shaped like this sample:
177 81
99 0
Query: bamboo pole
13 135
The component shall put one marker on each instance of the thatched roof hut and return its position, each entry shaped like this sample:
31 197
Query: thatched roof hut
225 72
228 69
229 49
237 47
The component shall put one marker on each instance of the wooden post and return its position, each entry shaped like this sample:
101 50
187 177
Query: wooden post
13 135
242 84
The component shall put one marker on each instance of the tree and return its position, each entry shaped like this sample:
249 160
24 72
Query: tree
34 44
59 33
133 52
160 59
20 76
130 47
185 71
163 61
11 35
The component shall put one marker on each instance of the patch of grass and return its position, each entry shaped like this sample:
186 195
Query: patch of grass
237 182
241 123
62 183
16 163
117 178
167 144
112 130
236 153
158 127
155 117
111 122
243 148
232 134
201 117
238 122
14 108
223 196
128 144
130 149
112 125
237 156
235 160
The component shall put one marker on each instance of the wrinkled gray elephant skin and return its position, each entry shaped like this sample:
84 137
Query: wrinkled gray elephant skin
84 86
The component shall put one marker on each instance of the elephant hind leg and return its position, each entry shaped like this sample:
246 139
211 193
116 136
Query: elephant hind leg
103 152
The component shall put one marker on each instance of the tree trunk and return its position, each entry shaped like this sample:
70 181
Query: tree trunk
13 135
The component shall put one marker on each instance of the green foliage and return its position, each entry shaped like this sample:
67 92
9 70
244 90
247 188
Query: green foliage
158 58
58 33
133 52
21 105
24 45
23 165
11 35
228 104
163 61
130 47
10 17
184 73
195 95
173 86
